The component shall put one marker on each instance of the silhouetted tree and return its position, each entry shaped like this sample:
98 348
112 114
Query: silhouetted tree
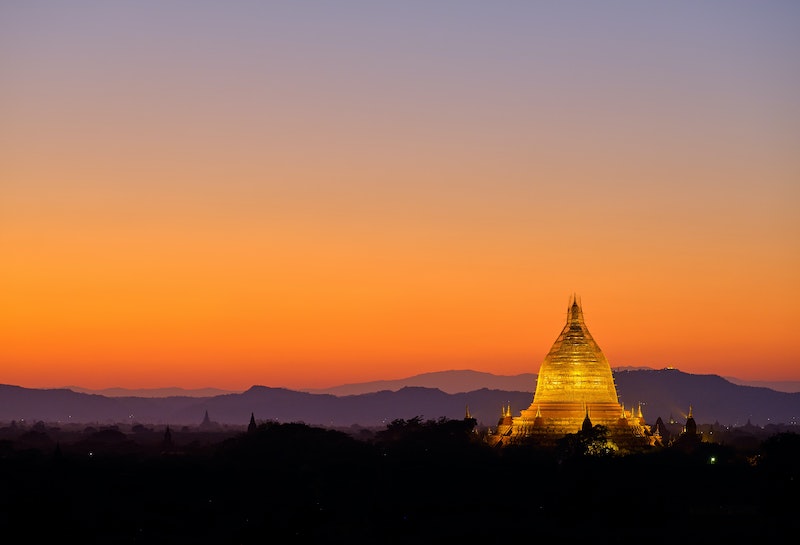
780 455
589 441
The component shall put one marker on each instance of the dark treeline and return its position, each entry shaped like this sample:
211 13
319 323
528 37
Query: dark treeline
415 481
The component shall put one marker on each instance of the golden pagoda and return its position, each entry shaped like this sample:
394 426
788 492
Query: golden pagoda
575 387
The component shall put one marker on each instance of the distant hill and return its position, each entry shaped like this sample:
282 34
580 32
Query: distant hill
668 392
778 385
153 392
454 382
451 382
62 405
664 393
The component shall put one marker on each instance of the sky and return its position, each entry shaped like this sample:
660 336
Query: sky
305 194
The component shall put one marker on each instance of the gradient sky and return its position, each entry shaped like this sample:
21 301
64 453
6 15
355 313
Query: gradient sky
304 194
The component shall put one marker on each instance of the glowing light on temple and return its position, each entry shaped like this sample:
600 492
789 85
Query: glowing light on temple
575 388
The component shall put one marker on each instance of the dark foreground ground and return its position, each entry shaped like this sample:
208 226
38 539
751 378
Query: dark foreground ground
415 482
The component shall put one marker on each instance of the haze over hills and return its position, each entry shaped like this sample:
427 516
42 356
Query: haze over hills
777 385
153 392
451 382
458 381
663 393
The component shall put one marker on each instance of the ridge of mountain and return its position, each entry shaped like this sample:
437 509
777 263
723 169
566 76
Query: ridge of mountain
451 382
663 393
171 391
467 380
789 386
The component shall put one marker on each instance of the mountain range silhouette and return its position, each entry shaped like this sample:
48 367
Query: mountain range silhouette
665 393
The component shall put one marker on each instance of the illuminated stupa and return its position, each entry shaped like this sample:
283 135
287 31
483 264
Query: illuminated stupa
575 383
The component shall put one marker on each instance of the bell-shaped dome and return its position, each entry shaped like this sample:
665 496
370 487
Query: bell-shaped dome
575 370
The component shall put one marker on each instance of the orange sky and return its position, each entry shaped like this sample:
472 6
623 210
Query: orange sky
270 196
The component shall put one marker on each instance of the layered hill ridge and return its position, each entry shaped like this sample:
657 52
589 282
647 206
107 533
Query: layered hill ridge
451 382
663 393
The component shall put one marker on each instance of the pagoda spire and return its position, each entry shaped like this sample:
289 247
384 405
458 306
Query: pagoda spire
575 312
166 443
587 423
207 424
690 428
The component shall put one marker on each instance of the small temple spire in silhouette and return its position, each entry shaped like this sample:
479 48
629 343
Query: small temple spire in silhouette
166 443
689 439
207 424
690 428
587 423
251 427
467 416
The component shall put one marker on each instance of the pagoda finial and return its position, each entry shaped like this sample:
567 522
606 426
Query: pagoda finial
690 412
467 416
575 312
